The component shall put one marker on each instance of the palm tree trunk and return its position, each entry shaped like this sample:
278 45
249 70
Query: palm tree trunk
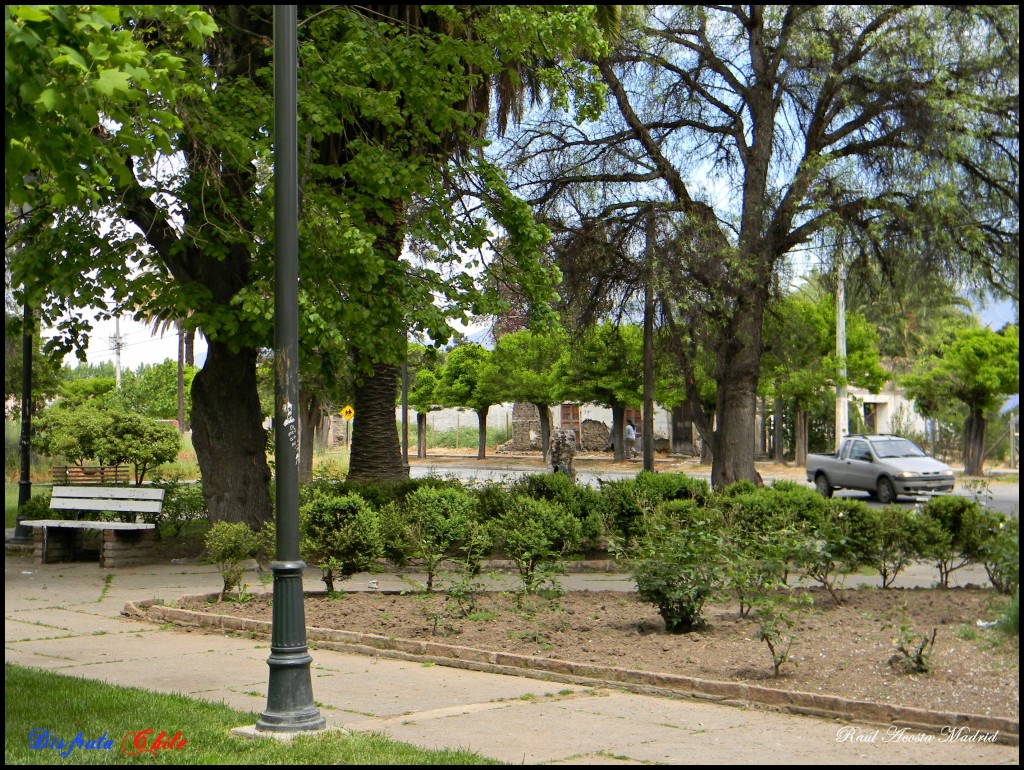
376 453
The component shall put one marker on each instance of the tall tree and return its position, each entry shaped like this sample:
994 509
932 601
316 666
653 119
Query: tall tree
399 116
424 366
464 382
523 367
605 366
757 126
976 369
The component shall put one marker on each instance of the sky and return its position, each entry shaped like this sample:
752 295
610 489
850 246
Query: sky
140 346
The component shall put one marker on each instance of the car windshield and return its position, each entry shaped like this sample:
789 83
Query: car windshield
898 447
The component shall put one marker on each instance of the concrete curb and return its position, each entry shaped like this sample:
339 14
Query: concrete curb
649 683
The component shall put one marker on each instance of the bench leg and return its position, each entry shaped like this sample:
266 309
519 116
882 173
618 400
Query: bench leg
53 544
126 548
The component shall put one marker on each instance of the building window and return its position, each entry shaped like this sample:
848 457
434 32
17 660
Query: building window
570 417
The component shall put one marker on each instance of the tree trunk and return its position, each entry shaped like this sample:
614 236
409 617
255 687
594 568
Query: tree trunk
618 452
737 377
376 453
975 428
421 434
682 430
762 447
309 418
648 359
229 439
481 442
800 437
190 347
181 381
544 418
777 431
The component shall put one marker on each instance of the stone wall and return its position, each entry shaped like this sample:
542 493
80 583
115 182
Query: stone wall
596 436
525 428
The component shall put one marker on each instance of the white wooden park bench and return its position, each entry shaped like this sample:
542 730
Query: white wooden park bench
122 543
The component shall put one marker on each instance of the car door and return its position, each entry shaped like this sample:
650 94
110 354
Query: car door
859 466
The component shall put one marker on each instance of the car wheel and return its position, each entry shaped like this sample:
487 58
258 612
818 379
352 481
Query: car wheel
886 492
822 485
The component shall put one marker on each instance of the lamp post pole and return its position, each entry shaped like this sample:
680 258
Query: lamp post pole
290 705
23 534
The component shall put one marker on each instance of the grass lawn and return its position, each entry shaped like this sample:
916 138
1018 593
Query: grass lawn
66 706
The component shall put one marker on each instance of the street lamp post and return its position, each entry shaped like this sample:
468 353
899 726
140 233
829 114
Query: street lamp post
23 534
290 705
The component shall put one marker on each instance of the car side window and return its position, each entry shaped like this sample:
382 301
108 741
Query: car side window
860 451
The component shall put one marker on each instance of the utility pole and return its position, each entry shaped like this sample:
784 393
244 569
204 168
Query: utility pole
842 410
116 342
648 345
181 379
405 409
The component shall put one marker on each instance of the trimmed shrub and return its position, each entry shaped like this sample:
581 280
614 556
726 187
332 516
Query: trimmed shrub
228 545
535 535
838 544
582 501
37 507
395 534
742 487
962 537
676 564
183 502
492 501
1000 550
895 538
625 504
674 486
340 534
442 523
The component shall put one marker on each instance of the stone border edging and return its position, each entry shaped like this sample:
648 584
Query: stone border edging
650 683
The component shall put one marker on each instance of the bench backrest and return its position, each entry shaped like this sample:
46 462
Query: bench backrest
112 499
92 474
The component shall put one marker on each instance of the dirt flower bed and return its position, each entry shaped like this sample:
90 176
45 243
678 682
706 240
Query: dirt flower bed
847 651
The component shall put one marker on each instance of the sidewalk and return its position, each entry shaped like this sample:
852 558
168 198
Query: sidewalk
67 619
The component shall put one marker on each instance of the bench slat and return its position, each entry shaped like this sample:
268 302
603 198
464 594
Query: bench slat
127 493
114 506
62 524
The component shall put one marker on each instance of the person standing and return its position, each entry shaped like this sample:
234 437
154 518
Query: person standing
630 440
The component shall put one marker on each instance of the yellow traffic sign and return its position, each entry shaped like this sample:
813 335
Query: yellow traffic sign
348 412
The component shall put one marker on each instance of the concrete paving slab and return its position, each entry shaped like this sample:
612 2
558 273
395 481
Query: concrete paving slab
75 620
384 688
21 631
